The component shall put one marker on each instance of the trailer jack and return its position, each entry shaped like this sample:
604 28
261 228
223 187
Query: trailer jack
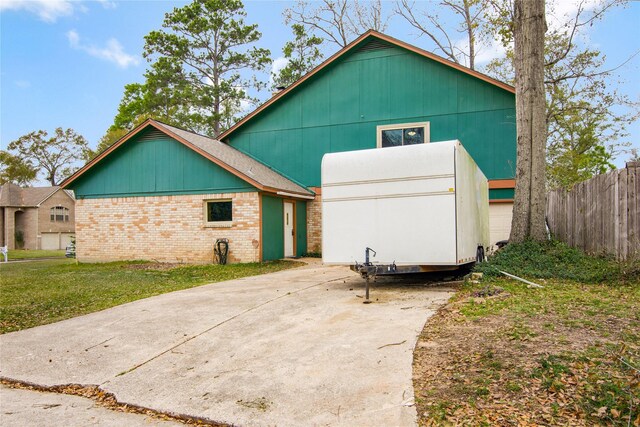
366 271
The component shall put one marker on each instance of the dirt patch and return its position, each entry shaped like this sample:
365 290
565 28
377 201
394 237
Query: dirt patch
512 368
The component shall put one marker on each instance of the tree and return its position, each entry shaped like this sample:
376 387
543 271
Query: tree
575 152
337 21
108 139
211 44
15 170
55 156
529 206
586 115
429 23
302 54
165 95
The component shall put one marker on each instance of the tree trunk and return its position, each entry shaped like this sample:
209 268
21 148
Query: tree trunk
530 198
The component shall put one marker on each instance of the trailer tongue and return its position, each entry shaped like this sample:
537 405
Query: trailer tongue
423 208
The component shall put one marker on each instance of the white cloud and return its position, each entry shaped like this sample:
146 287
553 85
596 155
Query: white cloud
561 12
51 10
74 38
108 4
277 65
112 51
485 52
47 10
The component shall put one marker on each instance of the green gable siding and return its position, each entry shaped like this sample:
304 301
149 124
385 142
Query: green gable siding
340 107
301 228
155 164
272 228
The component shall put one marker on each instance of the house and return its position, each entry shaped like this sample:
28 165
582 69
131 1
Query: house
167 194
36 217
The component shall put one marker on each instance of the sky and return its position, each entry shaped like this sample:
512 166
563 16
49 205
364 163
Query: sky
65 63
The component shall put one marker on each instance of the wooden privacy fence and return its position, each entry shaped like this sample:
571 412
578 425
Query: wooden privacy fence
601 215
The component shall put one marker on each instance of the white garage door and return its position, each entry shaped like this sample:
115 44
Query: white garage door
50 241
55 241
500 215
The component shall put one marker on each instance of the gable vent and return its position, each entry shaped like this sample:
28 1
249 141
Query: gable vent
374 45
152 134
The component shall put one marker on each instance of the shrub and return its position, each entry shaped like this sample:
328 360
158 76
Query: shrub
558 260
19 235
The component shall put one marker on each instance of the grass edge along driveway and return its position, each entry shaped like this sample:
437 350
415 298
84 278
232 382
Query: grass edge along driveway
41 292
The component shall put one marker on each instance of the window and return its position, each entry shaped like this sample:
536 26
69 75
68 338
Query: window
403 134
59 214
218 212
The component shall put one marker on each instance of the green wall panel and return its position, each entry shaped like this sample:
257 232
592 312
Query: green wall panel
301 228
272 228
339 108
155 165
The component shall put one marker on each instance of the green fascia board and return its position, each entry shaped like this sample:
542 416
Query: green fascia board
155 164
272 228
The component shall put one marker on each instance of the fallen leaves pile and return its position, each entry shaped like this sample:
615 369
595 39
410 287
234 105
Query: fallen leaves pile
109 401
505 369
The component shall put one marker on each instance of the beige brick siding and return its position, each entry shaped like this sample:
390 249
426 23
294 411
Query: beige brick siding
164 228
314 224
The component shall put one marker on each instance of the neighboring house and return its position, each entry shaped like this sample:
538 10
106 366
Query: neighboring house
167 194
36 217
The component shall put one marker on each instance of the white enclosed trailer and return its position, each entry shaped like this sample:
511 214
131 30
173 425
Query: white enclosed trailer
420 207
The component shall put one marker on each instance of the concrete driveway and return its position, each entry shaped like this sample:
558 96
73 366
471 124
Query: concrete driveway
297 347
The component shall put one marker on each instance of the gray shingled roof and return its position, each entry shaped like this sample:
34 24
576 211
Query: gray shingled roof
239 161
12 195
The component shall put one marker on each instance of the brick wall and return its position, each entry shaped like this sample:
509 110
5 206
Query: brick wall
2 229
25 220
164 228
314 224
45 225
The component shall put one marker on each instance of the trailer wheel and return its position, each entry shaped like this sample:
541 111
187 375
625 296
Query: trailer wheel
479 254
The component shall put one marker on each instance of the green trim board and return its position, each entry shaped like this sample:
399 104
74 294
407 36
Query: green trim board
301 227
501 193
154 164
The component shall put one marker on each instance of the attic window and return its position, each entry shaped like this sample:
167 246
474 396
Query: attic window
402 134
59 214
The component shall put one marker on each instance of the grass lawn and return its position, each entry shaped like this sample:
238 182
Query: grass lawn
501 353
24 254
41 292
